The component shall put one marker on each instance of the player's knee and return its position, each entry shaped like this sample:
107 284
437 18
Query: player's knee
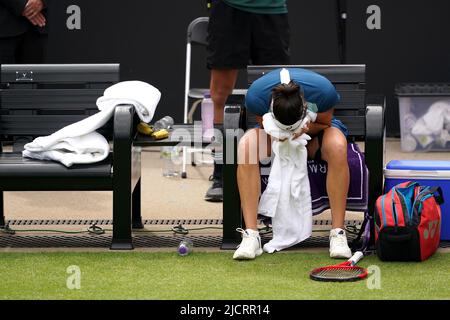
335 152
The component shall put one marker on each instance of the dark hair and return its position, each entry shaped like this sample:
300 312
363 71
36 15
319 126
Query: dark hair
288 103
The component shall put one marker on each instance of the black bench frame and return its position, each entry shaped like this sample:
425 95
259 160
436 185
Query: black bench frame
37 100
363 114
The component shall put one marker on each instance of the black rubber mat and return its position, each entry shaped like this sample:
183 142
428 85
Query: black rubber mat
146 240
140 241
145 222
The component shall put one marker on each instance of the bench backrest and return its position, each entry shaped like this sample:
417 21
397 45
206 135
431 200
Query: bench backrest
37 100
349 81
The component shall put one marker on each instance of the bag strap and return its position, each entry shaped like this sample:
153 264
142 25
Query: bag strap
438 197
408 184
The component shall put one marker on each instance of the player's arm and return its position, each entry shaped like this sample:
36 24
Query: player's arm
328 99
322 122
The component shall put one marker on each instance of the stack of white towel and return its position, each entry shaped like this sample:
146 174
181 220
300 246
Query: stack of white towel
79 143
432 127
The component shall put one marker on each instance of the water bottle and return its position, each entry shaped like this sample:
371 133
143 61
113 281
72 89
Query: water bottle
171 161
185 247
207 117
164 123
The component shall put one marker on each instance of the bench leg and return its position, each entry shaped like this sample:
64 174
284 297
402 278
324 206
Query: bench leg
232 216
2 213
122 208
137 217
374 153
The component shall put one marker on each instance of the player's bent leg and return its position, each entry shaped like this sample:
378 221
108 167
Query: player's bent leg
252 147
334 152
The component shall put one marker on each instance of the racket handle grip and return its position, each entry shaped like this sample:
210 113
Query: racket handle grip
356 258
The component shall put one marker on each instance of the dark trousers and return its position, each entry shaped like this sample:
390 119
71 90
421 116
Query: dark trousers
26 48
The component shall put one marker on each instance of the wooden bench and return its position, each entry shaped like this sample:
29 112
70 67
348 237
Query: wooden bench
362 113
37 100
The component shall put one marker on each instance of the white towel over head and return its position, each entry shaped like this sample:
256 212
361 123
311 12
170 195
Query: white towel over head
287 198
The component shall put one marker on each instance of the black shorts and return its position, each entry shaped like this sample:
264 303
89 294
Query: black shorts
237 38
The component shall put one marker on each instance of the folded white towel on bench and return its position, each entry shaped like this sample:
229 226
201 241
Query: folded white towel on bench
90 148
78 143
287 198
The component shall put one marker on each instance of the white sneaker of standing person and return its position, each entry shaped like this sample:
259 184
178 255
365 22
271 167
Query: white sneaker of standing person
339 248
250 246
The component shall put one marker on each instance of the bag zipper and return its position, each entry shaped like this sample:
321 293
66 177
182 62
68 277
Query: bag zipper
422 196
407 214
394 209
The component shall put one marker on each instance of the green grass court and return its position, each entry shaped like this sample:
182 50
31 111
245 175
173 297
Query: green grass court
210 276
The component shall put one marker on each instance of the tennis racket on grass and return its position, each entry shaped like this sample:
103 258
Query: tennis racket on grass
344 272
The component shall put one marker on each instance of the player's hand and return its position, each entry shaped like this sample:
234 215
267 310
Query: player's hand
33 8
304 130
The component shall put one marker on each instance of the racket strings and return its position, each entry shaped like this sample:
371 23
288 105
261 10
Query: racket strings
339 272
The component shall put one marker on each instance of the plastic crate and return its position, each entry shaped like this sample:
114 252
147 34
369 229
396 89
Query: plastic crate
424 116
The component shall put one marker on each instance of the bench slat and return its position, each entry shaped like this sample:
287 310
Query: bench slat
37 125
59 73
351 99
356 125
36 99
335 73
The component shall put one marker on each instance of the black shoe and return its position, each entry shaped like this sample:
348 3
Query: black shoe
215 192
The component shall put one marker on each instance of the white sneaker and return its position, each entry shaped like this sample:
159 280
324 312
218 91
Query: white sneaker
250 246
338 244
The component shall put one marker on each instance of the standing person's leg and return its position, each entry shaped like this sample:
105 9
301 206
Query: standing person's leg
221 86
228 51
270 39
334 152
253 146
32 48
8 49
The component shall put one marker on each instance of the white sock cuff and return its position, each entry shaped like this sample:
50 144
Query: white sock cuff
252 232
337 230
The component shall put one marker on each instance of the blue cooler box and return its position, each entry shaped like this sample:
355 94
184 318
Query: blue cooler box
427 173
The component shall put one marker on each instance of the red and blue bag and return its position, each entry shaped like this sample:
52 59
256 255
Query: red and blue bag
408 222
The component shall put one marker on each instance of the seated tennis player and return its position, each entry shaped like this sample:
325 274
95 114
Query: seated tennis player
328 143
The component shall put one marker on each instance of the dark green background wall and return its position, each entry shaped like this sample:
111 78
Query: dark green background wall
148 39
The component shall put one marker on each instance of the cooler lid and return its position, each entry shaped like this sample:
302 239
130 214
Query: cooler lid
426 169
422 89
418 165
